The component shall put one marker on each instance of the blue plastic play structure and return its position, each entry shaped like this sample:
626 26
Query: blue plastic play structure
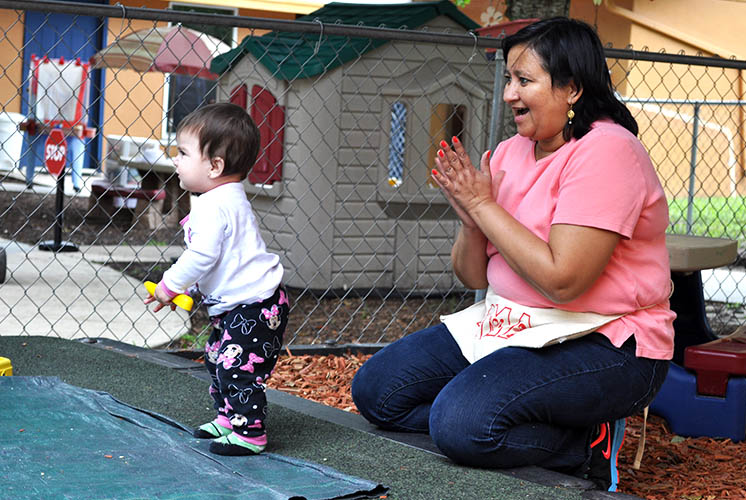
704 393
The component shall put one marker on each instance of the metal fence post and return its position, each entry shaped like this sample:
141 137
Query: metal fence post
496 120
692 168
496 123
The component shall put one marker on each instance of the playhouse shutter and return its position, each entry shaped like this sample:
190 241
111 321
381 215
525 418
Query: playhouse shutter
240 96
270 118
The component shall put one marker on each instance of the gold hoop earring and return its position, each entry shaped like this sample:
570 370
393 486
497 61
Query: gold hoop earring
570 116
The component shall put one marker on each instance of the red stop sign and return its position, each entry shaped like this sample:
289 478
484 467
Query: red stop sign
55 152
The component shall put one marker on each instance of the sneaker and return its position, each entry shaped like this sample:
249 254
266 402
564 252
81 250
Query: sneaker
211 430
605 453
233 445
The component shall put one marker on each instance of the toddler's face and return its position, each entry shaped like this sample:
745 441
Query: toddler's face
192 167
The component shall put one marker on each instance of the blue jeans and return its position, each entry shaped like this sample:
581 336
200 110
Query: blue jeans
515 407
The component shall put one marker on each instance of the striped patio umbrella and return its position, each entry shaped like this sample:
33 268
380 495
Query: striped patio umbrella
172 49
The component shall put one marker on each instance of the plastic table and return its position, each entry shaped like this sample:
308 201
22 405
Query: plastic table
688 255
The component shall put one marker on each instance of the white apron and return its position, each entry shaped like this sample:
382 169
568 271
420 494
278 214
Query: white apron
497 322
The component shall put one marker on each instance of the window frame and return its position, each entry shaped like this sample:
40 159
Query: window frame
416 197
394 181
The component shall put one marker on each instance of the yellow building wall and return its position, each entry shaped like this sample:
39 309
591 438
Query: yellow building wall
11 62
667 129
134 101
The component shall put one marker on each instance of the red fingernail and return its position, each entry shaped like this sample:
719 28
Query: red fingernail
443 144
454 139
435 173
441 153
488 154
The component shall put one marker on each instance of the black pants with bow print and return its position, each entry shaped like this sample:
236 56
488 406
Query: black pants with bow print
240 355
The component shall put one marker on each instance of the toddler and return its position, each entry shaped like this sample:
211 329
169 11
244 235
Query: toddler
226 261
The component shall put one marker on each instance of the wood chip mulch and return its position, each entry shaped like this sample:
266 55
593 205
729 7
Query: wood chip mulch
673 467
324 379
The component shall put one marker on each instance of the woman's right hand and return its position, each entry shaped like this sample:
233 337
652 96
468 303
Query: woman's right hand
440 176
466 219
456 174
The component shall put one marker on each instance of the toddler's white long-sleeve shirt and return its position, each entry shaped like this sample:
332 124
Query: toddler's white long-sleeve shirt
226 257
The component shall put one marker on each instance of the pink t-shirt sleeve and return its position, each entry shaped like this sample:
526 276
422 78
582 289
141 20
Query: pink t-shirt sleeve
600 186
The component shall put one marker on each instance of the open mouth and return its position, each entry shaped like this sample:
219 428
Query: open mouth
520 111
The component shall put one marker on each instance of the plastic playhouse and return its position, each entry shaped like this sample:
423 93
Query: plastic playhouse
707 395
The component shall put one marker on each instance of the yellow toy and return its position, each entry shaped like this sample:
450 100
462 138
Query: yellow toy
181 300
5 367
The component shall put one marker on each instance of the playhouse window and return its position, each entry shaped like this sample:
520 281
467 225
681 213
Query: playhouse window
397 143
446 121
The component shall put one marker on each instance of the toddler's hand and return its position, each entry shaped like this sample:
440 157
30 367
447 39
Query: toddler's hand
158 295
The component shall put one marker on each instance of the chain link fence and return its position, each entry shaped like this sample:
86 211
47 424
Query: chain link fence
350 117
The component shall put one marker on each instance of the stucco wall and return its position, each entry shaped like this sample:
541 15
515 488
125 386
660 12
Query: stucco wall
11 61
667 130
134 101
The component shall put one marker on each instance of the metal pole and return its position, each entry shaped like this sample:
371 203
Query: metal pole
327 28
118 11
58 244
59 199
692 169
496 122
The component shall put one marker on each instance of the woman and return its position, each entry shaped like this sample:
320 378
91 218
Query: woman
565 226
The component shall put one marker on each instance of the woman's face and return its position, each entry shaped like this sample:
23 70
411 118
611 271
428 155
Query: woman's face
539 109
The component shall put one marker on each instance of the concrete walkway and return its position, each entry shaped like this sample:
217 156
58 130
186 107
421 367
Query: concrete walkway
73 294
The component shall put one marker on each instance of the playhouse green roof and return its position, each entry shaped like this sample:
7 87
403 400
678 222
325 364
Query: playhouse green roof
291 55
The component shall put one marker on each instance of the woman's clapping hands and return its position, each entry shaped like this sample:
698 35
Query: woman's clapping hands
466 187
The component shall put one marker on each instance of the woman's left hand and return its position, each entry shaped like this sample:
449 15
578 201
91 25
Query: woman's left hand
464 185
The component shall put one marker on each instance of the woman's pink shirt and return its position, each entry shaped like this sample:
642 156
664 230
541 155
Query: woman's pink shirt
604 180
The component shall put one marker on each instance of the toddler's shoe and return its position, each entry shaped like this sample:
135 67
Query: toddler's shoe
235 445
212 430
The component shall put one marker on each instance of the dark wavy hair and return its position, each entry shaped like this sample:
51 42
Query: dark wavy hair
571 52
225 130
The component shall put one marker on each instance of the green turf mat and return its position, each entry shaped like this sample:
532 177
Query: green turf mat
62 441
